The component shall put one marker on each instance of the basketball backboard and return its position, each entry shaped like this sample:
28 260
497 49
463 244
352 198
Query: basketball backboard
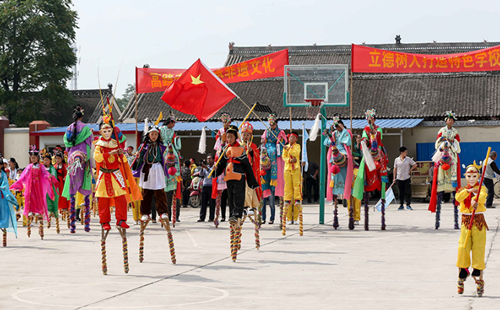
304 83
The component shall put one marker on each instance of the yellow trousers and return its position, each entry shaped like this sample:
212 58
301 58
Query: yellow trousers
293 185
476 244
136 210
357 207
293 209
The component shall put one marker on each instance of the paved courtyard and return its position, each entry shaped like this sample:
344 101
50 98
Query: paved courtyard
409 266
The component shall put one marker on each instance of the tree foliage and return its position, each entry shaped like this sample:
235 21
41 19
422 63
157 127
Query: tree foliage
36 58
127 95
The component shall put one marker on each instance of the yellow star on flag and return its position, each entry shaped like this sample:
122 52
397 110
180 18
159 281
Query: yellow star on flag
196 80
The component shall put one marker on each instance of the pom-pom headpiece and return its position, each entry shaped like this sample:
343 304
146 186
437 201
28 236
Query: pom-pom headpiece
170 119
33 150
370 113
78 111
225 118
272 118
336 120
450 114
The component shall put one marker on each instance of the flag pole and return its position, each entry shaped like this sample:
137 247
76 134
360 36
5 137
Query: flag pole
136 129
224 151
251 111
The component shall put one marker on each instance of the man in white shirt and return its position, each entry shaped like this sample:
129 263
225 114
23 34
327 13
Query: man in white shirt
403 166
489 176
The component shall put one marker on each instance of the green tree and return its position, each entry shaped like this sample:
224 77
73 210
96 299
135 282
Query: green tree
127 95
36 58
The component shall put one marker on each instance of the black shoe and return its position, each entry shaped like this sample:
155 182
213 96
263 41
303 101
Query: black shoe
491 207
210 220
263 222
200 220
271 222
78 219
309 201
223 220
154 221
177 220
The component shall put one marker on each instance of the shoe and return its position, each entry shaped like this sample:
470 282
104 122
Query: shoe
78 219
271 222
178 221
122 224
298 202
401 208
164 216
491 207
296 222
356 222
136 223
106 226
233 219
262 222
309 201
154 221
145 218
223 220
250 212
409 208
200 221
289 222
210 220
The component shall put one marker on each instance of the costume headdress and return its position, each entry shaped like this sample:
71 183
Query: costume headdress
473 168
171 118
272 118
247 127
78 111
450 114
154 126
336 119
293 133
370 113
233 129
225 117
33 150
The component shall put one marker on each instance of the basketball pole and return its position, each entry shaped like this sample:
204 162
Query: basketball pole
322 169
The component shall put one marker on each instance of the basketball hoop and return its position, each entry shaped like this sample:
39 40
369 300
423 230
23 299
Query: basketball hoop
314 107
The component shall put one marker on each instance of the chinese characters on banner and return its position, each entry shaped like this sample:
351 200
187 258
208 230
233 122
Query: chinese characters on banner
373 60
149 80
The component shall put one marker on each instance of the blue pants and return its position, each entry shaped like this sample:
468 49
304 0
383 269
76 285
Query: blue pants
269 199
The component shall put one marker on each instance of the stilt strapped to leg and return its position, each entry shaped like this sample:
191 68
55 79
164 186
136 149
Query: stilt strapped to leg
438 209
335 213
30 220
141 240
283 220
235 234
218 201
40 227
281 203
68 220
87 213
301 220
351 213
58 229
104 235
382 208
123 233
166 225
256 222
479 283
4 231
232 241
174 210
49 222
367 209
72 215
455 211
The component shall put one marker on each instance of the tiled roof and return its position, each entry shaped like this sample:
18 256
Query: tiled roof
470 95
89 99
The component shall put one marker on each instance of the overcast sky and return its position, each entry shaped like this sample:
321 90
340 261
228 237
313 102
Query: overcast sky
174 34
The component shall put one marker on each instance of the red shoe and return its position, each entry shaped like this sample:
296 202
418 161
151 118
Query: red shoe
106 226
122 224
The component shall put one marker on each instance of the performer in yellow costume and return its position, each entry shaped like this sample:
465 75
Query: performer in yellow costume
357 203
293 178
469 201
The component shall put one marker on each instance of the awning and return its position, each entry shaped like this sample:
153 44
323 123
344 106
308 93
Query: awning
257 125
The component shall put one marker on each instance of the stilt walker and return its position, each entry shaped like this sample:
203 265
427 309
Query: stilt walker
272 180
472 200
151 166
173 178
253 197
52 204
447 174
340 164
372 173
8 205
238 174
113 175
78 140
220 185
293 181
37 184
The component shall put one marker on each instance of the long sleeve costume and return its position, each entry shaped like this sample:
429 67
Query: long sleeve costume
341 182
8 205
449 180
477 239
293 179
238 172
273 180
253 196
36 184
52 204
61 171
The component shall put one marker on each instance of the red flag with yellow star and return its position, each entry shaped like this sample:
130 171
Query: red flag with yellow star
198 92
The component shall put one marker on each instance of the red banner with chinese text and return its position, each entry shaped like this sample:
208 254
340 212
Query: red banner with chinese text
373 60
149 80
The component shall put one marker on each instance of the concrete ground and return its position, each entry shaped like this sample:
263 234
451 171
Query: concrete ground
409 266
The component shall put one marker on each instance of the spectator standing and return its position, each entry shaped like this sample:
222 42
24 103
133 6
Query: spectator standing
206 192
312 182
491 169
186 181
403 166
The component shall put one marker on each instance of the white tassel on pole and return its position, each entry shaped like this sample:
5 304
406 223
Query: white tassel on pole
437 156
146 127
367 156
202 147
313 134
